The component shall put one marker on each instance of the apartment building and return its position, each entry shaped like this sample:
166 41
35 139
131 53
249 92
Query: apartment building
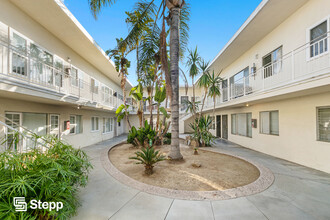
54 78
276 83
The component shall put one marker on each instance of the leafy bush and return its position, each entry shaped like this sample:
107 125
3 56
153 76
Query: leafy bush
51 176
201 132
167 138
143 135
148 157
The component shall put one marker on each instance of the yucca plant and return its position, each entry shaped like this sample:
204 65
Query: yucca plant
148 157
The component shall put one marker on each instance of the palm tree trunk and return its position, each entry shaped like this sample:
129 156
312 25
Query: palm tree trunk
194 107
174 54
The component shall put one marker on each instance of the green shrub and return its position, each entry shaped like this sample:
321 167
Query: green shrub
148 157
132 134
201 132
143 135
167 138
51 176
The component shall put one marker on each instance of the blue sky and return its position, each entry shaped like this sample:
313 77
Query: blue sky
212 24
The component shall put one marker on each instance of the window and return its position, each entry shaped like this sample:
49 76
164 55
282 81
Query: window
81 79
74 77
272 63
19 61
269 122
318 39
95 123
212 125
224 90
106 94
107 126
58 72
323 120
184 104
94 86
48 60
239 82
36 67
76 124
54 125
241 124
111 124
14 121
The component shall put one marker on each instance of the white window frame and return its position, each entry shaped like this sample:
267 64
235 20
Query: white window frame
76 78
25 56
59 72
95 87
20 124
237 125
308 38
98 124
260 125
50 123
75 128
317 124
279 62
104 125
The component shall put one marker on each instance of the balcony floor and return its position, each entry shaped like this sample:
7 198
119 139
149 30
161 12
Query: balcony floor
297 193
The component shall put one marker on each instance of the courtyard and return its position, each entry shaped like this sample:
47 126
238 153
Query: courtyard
297 192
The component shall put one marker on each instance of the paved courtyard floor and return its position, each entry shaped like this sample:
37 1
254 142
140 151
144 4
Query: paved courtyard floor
297 193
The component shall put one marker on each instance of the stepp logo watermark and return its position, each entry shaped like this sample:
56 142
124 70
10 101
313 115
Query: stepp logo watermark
21 205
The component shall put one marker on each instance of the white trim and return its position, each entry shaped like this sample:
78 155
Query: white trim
50 124
308 38
98 124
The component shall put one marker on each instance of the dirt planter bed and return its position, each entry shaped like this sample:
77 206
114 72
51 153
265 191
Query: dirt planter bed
221 175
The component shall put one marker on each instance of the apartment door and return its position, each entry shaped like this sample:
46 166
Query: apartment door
225 127
218 126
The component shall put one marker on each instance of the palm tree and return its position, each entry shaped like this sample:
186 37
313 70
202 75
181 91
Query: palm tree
122 63
193 63
204 82
214 88
178 42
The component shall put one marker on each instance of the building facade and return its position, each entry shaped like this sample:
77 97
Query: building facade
54 78
275 93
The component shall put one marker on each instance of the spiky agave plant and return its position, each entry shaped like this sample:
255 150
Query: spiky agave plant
148 157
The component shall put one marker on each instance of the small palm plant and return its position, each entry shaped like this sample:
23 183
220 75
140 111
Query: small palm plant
148 157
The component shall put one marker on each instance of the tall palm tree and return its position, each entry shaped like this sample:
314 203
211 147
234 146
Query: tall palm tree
122 64
214 88
204 83
176 21
193 64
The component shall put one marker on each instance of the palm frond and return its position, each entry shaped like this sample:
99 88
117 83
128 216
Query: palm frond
96 5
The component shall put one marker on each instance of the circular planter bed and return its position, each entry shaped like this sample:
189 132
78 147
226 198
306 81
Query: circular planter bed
208 175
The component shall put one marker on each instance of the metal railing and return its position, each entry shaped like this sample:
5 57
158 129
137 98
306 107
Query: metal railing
19 66
308 61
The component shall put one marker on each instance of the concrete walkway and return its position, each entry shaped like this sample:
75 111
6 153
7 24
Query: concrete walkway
297 193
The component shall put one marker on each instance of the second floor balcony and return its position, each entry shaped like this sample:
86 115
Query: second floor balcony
308 62
32 69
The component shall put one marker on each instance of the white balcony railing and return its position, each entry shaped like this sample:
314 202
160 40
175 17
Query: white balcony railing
308 61
18 66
